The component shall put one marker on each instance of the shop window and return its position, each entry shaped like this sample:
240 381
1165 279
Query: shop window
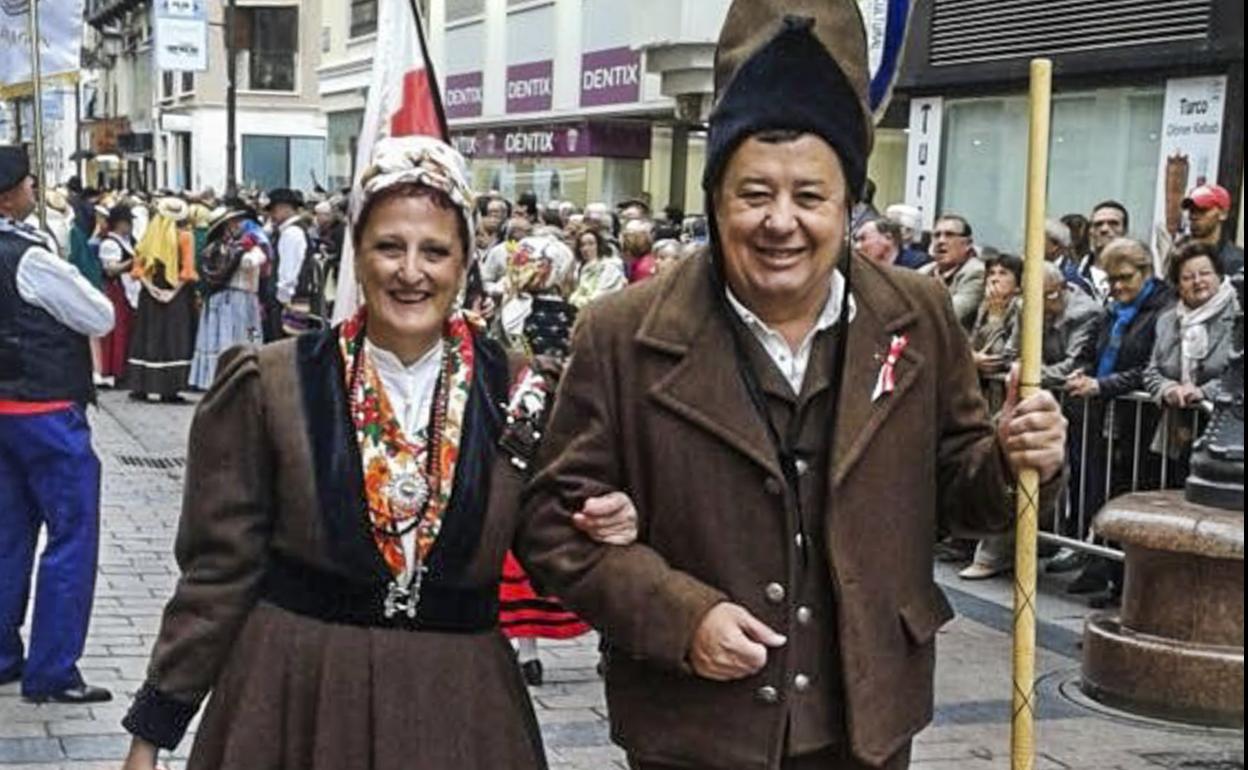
283 161
343 129
1104 144
268 47
363 17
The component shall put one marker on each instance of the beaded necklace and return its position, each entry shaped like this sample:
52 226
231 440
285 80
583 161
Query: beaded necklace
407 480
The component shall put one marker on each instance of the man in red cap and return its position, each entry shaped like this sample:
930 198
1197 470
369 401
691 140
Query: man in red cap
1207 207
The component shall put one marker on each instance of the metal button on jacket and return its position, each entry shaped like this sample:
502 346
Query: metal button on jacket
801 682
798 540
767 694
774 592
802 467
772 486
804 615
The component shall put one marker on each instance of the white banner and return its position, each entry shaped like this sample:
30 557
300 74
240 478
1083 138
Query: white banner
923 156
60 49
1191 145
180 35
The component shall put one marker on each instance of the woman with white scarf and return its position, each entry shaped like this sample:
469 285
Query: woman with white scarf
1193 338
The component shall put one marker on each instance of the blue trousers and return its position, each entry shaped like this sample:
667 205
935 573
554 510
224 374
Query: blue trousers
49 478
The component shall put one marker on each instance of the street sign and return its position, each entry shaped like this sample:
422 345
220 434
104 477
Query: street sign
180 35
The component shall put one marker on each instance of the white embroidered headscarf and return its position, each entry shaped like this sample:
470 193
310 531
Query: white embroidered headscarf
423 160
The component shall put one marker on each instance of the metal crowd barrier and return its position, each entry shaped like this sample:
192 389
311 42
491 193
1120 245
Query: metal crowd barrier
1084 538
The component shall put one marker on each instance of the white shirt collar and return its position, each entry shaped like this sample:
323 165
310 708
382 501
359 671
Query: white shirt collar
792 363
409 388
828 315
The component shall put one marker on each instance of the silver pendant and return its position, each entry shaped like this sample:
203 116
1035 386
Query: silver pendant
407 493
404 598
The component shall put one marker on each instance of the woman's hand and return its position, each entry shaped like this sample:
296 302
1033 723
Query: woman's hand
142 756
610 519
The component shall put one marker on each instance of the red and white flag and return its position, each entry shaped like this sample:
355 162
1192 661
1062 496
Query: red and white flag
403 100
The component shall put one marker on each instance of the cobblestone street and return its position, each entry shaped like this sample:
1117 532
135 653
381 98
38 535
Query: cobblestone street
143 446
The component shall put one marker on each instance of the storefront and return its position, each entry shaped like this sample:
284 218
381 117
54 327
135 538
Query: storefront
1141 112
581 160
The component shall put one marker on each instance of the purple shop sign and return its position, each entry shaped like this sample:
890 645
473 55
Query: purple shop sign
464 95
596 138
529 86
612 76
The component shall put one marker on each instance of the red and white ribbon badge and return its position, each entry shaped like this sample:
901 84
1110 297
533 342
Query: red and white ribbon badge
887 379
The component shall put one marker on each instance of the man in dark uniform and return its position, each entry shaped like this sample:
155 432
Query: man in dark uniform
794 426
49 474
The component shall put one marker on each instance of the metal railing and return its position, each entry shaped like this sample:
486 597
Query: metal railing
1073 513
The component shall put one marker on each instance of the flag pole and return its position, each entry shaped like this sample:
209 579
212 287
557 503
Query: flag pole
1022 734
36 77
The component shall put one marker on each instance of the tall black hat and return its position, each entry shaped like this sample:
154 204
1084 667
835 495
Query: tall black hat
792 64
285 195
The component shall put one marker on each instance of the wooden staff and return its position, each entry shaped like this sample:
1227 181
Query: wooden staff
36 77
1022 735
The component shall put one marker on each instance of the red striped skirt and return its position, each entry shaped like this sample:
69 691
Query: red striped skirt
523 614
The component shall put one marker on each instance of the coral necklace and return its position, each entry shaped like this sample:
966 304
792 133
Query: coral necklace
407 480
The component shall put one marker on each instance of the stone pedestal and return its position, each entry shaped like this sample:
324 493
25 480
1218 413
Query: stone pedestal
1176 648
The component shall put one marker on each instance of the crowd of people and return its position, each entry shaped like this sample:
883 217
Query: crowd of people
1117 322
192 274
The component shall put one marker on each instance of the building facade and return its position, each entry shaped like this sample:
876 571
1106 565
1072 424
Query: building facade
1147 102
167 129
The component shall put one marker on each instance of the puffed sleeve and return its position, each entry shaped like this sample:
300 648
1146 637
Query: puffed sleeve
221 550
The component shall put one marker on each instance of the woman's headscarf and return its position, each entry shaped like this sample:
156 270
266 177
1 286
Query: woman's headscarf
423 160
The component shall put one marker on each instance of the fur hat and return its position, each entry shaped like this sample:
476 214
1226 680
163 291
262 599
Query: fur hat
792 64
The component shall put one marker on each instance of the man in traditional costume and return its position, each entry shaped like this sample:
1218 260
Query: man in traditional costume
49 474
794 424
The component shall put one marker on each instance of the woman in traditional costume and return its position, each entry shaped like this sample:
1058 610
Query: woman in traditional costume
163 337
350 494
122 289
237 249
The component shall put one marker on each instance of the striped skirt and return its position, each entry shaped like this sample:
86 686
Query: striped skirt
525 615
230 317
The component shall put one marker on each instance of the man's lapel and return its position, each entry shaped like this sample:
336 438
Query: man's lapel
882 311
705 386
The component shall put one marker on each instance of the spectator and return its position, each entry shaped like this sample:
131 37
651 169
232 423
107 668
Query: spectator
494 265
994 344
1193 344
864 210
1124 347
1125 341
526 205
994 339
630 209
493 211
1077 224
636 240
957 267
1057 250
600 273
880 240
1207 208
1071 323
693 230
1109 221
911 221
667 253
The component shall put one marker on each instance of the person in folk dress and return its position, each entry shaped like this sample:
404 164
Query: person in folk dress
163 338
348 504
236 251
122 289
